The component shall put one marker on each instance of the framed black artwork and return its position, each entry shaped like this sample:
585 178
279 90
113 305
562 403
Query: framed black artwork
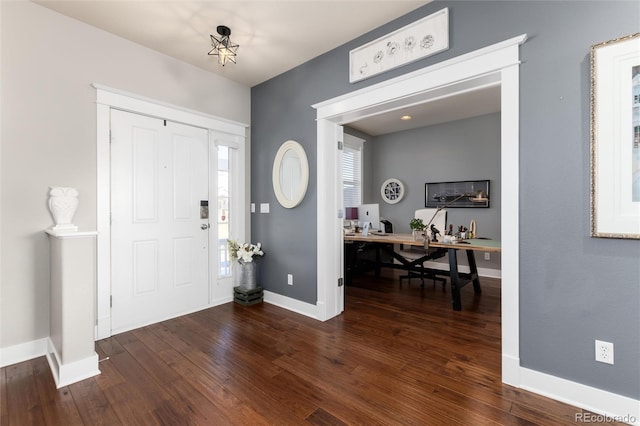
468 194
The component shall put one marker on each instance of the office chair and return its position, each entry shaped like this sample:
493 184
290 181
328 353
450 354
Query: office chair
413 252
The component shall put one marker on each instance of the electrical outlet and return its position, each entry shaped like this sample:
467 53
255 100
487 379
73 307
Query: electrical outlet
604 352
487 256
290 279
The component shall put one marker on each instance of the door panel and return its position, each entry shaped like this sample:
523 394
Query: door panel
145 145
160 254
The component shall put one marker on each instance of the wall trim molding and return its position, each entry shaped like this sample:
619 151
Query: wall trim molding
23 352
335 106
71 372
495 65
598 401
294 305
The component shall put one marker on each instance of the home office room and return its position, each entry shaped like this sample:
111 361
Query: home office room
430 164
498 113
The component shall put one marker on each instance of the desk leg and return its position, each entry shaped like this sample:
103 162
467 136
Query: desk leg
455 280
474 271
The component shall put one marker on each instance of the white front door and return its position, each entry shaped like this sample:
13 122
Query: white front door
159 242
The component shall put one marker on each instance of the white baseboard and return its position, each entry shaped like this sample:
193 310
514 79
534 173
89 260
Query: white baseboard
609 405
302 308
511 370
71 372
23 352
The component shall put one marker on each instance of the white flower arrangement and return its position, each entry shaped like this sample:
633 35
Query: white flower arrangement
244 252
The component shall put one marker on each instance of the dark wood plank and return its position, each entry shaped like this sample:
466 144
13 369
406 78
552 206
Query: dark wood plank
92 404
321 417
23 401
397 355
4 407
186 404
216 391
58 406
136 396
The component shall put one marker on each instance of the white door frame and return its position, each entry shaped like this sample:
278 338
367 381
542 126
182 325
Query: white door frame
106 99
497 64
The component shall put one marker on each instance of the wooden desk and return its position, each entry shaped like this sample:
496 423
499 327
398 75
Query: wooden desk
458 279
374 237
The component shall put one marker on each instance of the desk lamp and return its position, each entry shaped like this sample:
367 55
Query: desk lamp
476 197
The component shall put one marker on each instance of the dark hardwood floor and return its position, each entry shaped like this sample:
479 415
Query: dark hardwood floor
397 356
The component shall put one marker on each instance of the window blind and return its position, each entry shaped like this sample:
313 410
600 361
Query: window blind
352 171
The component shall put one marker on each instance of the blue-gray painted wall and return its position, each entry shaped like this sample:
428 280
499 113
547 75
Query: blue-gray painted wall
573 288
455 151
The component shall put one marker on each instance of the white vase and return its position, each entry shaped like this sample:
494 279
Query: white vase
63 203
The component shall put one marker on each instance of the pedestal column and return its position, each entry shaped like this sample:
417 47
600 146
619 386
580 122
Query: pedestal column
71 346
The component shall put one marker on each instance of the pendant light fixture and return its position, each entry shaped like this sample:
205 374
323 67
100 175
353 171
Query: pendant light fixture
223 48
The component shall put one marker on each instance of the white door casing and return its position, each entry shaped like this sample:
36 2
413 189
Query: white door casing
497 64
340 202
160 251
109 99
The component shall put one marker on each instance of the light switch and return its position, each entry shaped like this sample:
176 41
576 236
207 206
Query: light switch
253 207
264 207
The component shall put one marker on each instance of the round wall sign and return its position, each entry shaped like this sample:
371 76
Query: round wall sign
392 191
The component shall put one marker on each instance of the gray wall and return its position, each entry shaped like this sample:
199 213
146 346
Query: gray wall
573 288
49 136
459 150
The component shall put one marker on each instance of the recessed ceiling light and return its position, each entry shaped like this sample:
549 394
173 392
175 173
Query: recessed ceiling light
405 118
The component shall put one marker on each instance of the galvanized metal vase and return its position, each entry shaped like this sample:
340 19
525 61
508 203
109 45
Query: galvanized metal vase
247 275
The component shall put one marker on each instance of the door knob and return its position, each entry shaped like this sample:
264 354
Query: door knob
205 226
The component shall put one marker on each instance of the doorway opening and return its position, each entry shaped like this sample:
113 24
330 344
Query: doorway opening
493 65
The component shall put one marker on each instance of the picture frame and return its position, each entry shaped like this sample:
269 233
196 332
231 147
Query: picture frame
420 39
615 138
452 194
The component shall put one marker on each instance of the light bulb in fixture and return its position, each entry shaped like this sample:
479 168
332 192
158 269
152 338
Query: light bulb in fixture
223 48
405 118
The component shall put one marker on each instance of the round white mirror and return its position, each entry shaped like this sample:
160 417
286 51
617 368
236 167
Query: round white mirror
290 174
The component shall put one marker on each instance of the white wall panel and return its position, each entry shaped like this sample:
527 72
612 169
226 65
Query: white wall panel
145 175
182 178
145 267
183 257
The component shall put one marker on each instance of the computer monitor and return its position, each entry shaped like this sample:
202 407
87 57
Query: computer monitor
370 213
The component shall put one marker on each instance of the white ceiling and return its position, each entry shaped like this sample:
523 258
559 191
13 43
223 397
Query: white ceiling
456 107
274 36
